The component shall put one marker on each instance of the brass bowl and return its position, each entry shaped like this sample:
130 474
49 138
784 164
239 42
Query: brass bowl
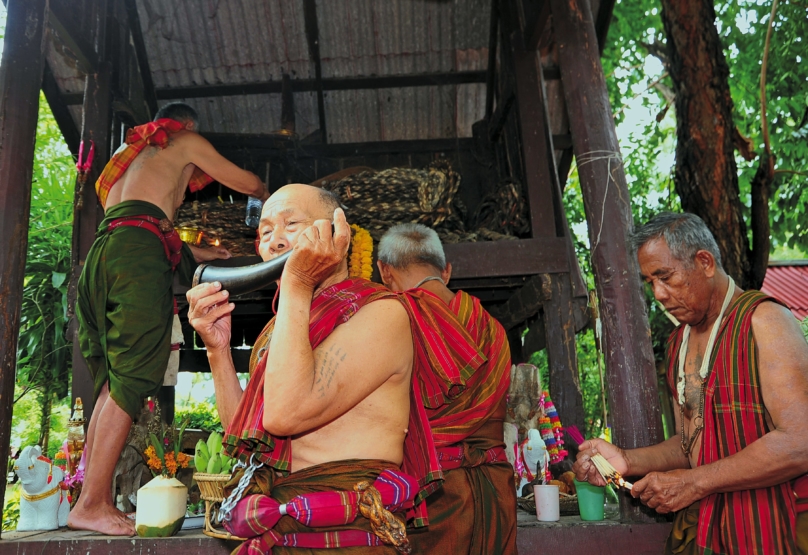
190 235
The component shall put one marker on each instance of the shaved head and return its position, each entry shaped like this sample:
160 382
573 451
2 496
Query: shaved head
321 202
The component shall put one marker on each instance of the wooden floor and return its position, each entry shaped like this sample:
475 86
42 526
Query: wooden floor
569 536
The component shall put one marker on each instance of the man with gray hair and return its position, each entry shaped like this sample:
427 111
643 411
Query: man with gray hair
738 370
475 511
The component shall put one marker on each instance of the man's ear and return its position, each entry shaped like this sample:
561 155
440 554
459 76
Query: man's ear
706 261
446 274
384 272
190 125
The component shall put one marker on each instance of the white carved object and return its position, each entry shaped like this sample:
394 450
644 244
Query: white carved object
43 503
523 398
534 455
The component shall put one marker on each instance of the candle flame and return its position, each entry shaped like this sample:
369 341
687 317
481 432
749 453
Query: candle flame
216 243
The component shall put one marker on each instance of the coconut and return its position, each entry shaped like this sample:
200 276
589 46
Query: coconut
161 508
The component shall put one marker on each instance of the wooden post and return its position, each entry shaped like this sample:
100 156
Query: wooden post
633 399
559 326
20 79
96 127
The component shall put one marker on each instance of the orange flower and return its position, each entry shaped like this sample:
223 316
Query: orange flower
171 463
183 460
152 460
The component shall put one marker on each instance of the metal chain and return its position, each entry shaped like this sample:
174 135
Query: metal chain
230 503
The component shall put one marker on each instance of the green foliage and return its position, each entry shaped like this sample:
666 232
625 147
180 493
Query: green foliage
44 349
638 86
641 96
11 508
742 26
589 380
201 416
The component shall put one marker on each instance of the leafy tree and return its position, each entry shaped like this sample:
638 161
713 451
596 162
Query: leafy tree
642 93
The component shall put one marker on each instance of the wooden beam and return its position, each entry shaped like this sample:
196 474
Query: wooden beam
500 115
559 324
507 258
63 23
604 20
142 56
310 85
61 113
536 17
279 146
97 124
491 71
534 129
313 39
633 398
20 79
525 303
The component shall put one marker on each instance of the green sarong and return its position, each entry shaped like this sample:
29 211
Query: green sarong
125 307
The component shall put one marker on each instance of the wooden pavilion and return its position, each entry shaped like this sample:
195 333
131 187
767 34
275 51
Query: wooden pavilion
295 90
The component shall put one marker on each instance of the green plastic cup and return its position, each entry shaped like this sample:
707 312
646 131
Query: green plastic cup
590 500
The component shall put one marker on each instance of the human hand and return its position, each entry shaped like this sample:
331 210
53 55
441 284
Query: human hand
317 253
212 253
666 492
584 468
209 314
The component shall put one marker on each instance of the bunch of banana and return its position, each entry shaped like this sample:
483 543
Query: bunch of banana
209 458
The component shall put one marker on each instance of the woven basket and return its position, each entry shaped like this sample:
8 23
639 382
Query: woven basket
211 489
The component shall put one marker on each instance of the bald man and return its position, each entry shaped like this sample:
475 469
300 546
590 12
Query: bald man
328 404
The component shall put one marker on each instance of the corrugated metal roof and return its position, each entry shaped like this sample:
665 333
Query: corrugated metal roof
241 41
789 284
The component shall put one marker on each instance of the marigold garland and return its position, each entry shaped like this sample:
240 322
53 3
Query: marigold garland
360 263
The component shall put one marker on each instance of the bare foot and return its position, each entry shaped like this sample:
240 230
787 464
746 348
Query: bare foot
103 519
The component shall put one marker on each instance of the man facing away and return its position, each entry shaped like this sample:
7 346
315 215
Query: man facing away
475 511
125 299
738 373
330 399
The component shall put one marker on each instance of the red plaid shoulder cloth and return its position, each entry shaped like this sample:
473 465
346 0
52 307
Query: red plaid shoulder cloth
444 357
758 521
155 133
487 387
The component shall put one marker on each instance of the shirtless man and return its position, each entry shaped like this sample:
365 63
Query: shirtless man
735 473
328 398
125 298
331 372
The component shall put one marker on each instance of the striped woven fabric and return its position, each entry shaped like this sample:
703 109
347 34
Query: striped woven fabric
258 513
486 388
754 522
155 133
444 355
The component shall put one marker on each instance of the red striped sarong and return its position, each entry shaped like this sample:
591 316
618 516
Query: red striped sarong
759 521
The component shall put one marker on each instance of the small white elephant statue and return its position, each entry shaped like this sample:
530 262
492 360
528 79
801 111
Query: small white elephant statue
43 504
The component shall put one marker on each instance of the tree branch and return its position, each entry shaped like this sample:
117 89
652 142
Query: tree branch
658 51
764 124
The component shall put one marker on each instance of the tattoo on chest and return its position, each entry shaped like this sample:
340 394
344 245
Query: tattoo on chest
325 367
693 385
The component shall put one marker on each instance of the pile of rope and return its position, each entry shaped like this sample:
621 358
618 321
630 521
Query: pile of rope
379 200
